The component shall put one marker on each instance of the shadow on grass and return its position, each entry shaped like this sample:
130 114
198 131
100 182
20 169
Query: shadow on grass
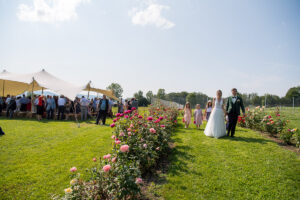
247 139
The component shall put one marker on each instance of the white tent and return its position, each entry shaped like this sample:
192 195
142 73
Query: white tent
10 87
41 80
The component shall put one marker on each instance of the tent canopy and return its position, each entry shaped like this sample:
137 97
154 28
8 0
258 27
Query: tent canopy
108 93
10 87
15 84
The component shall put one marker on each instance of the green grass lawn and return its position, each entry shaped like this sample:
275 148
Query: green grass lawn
35 157
246 167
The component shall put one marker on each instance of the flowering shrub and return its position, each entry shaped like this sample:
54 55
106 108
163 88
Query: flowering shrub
138 144
258 119
272 123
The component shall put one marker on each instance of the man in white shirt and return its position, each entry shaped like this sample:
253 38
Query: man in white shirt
61 107
84 105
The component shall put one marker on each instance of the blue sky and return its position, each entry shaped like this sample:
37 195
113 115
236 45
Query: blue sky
179 45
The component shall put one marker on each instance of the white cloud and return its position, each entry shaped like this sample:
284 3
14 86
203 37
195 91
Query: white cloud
151 16
49 11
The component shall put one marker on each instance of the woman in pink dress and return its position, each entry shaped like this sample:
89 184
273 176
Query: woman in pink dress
198 117
187 114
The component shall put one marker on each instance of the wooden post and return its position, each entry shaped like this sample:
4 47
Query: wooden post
3 87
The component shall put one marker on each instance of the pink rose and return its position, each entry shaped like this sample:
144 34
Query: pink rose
129 129
150 118
138 181
113 137
106 168
121 134
114 159
124 148
140 117
131 125
157 121
115 120
157 148
129 133
107 156
73 169
121 115
160 118
118 115
145 145
95 159
152 130
112 125
133 108
126 116
117 141
163 126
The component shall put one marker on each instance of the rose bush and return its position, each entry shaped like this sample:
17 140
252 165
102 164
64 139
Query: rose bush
138 144
271 122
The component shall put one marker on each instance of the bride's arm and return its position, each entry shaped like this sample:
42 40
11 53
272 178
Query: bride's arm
223 107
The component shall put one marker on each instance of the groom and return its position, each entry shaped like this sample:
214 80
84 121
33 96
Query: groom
234 104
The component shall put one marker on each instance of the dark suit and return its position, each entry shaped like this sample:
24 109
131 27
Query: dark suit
102 113
233 111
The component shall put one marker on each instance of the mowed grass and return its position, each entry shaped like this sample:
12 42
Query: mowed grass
246 167
35 157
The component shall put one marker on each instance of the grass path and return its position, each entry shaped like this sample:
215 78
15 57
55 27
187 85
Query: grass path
246 167
35 157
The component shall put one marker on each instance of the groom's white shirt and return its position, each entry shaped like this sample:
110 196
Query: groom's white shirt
234 99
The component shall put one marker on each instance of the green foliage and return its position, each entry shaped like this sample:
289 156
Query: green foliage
149 96
116 88
138 144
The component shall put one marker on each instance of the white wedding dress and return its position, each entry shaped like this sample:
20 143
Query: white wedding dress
216 124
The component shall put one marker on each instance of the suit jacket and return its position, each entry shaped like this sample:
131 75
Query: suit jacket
234 108
106 104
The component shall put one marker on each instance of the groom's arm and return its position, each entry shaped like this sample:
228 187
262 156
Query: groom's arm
227 105
242 106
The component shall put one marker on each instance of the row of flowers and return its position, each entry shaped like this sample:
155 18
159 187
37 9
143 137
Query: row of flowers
272 123
139 142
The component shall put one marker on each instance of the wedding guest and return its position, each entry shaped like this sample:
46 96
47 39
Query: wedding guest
35 103
1 105
198 117
50 107
103 110
1 131
28 105
134 103
61 107
84 104
120 106
11 107
126 104
187 114
111 104
24 102
18 102
208 110
40 109
77 106
8 98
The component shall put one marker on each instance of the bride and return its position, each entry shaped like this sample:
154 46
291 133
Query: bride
216 123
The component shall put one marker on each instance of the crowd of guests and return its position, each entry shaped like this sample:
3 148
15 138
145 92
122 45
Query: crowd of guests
60 107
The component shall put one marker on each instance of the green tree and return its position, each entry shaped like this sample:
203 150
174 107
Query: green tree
161 94
116 88
149 95
138 95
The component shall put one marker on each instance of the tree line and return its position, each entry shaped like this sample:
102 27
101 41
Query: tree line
250 99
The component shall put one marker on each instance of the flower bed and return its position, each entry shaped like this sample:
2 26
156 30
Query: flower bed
272 123
138 144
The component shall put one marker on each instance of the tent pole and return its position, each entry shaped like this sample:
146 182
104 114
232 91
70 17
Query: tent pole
3 87
42 90
32 95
